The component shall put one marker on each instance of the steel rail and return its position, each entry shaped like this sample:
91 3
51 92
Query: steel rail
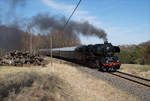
132 78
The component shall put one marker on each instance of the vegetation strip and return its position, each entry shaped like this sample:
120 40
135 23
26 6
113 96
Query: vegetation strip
135 54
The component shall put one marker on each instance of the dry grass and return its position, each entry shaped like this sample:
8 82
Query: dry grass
74 85
87 87
34 86
140 70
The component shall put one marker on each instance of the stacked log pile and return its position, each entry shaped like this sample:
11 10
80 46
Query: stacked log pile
19 58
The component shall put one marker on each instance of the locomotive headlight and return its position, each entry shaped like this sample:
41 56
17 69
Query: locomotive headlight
108 49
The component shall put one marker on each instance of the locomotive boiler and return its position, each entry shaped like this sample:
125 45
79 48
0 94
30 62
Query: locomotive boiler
101 56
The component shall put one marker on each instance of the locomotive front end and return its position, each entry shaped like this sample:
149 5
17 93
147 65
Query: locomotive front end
110 62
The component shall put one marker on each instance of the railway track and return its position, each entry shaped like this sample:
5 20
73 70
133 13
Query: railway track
133 78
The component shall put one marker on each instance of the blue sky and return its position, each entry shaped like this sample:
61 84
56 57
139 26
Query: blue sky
125 21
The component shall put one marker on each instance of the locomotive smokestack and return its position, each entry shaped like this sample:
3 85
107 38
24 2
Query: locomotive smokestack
105 42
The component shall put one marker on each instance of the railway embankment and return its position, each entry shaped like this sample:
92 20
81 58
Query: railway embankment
67 79
139 90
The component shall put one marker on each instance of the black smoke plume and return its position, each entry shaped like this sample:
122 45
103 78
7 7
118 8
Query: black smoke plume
10 38
45 22
13 28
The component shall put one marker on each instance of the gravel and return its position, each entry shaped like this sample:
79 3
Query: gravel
141 92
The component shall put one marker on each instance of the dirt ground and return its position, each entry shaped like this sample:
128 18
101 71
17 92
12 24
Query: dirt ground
85 87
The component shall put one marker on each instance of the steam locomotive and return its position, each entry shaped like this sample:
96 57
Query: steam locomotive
99 56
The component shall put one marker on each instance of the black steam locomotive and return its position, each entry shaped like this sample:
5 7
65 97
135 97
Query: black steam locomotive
99 56
103 55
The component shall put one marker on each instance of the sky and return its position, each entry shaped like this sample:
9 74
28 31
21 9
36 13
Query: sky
125 21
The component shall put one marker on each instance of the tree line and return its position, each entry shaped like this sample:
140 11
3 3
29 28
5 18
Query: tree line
135 54
16 39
